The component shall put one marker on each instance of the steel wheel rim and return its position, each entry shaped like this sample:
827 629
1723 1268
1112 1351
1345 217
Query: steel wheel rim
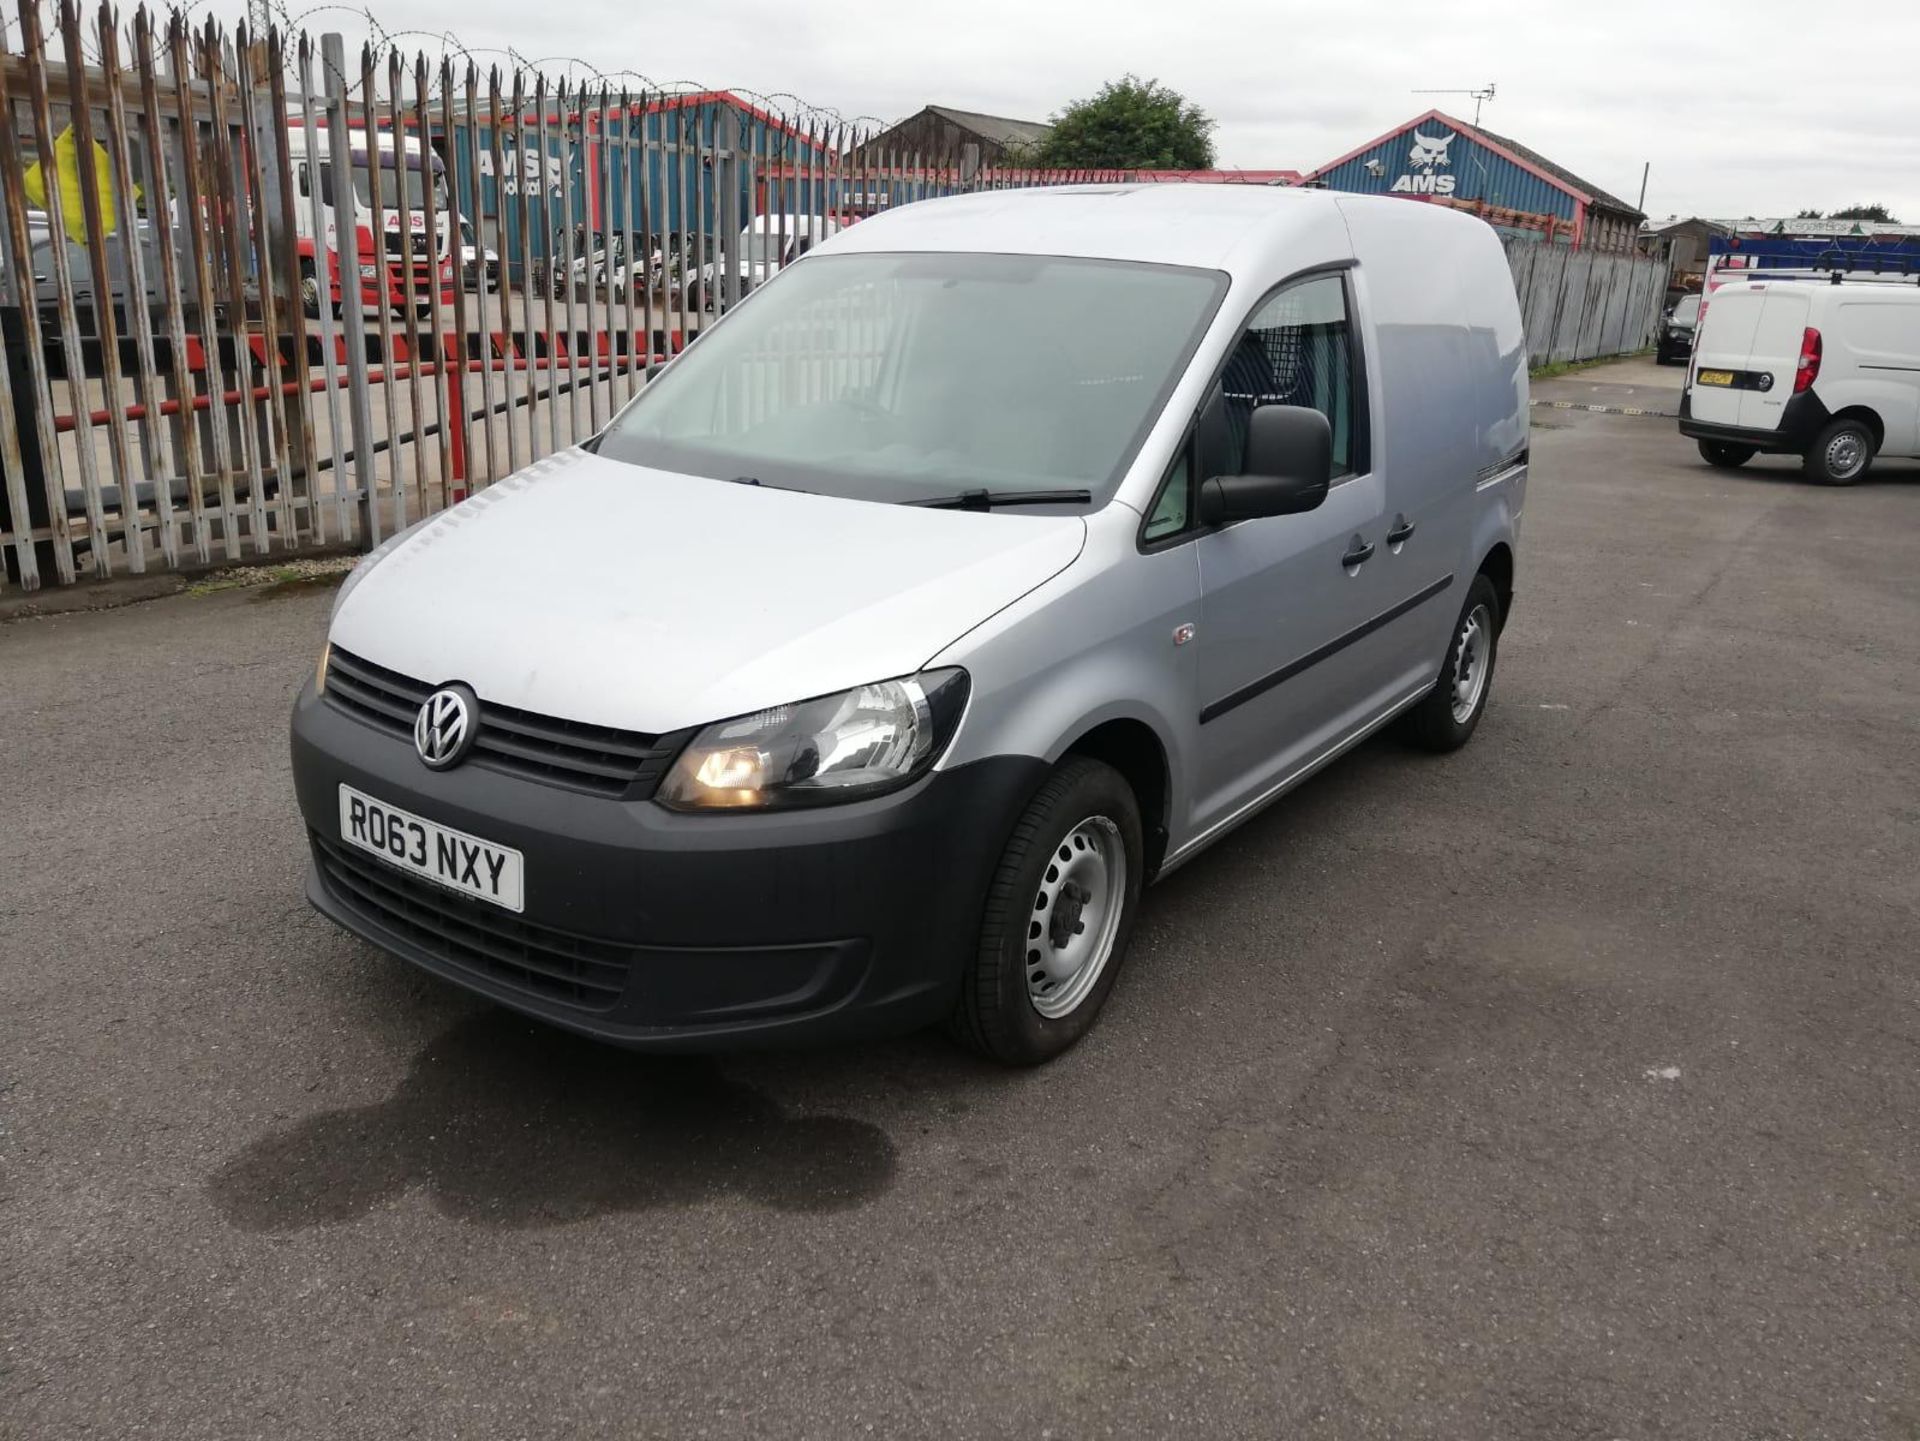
1844 454
1470 663
1075 917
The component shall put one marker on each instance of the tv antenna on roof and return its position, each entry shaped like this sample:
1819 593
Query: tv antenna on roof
1480 97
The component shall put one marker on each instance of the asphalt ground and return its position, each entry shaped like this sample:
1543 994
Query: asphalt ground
1640 384
1565 1087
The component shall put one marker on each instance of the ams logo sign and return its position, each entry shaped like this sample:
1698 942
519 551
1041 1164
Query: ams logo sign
1426 162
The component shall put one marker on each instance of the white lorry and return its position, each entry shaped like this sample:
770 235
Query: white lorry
409 173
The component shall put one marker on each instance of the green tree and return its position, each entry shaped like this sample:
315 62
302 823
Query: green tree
1865 212
1132 124
1808 215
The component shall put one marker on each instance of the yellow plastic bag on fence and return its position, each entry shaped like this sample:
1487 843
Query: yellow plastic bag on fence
73 215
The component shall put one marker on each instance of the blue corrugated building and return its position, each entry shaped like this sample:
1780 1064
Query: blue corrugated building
1439 159
647 165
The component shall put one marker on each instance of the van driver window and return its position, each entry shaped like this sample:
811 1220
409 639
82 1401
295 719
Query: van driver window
1297 350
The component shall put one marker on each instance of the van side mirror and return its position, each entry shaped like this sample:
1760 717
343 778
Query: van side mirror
1289 458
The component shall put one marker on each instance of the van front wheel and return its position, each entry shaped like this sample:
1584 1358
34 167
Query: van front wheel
1058 916
1445 718
1840 454
1725 454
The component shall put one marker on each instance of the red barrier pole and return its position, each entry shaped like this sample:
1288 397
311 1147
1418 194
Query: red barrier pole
457 432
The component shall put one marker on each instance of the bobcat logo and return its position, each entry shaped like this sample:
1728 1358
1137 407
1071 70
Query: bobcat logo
1429 152
1429 158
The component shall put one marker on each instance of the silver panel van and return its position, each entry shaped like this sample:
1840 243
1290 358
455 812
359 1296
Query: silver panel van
988 563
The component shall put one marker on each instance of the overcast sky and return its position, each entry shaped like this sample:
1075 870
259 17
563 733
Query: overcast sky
1756 107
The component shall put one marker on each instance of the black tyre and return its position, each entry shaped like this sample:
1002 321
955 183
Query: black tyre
309 291
1841 453
1058 916
1726 454
1445 719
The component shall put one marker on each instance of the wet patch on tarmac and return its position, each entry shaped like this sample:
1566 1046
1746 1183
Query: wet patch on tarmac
507 1123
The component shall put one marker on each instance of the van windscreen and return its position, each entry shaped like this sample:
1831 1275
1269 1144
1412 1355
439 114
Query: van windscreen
896 377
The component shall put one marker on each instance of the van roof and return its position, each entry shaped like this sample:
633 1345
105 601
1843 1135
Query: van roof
1216 227
1852 291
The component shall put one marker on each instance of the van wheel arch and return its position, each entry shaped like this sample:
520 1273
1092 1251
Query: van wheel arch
1134 749
1497 567
1868 418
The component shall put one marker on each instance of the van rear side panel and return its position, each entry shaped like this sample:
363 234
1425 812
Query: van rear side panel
1446 363
1873 363
1447 358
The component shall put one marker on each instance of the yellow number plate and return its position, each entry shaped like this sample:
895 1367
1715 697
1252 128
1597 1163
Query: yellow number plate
1716 377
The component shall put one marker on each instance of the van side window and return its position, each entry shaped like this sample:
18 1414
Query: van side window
303 180
1297 350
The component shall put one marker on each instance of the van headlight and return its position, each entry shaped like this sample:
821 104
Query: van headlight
844 747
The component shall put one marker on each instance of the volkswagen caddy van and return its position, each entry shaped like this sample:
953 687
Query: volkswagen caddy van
991 561
1827 369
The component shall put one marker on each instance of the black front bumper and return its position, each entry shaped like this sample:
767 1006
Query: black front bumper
1801 419
669 931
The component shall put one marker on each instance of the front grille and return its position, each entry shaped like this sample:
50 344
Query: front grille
597 759
473 935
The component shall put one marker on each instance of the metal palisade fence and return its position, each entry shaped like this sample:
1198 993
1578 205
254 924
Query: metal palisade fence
259 296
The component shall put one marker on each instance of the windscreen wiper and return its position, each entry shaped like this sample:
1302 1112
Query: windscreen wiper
993 499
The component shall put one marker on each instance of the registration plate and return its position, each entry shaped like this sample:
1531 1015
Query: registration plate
1716 377
450 858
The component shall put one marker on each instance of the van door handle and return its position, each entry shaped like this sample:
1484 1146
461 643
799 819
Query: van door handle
1400 532
1357 553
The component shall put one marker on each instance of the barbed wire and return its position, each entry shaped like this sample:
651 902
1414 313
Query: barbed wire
443 47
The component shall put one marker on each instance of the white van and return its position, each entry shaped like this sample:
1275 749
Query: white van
993 559
1825 369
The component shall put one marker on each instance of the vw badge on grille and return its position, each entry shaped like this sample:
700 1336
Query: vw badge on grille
443 732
